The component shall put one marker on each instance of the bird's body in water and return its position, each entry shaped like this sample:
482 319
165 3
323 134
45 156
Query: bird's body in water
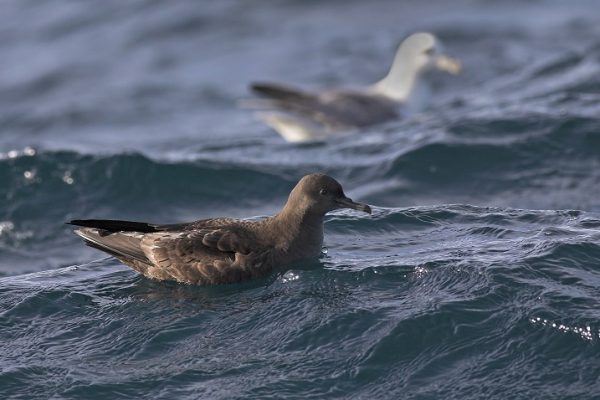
224 250
300 115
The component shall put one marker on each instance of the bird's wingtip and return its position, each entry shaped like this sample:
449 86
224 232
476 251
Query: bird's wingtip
75 222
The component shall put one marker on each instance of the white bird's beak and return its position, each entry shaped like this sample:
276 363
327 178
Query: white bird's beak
448 64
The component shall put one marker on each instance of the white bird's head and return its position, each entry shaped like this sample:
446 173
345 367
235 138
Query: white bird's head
423 51
418 54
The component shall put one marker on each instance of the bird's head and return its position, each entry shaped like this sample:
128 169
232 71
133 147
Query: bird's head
423 51
319 194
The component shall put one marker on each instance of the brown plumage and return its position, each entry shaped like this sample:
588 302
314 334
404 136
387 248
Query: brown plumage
224 250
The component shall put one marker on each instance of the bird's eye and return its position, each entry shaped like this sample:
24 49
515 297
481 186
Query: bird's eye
323 192
429 51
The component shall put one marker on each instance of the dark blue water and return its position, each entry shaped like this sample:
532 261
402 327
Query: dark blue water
477 277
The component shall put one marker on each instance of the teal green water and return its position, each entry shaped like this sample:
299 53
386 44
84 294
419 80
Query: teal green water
476 277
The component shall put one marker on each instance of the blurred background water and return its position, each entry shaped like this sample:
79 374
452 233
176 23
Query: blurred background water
478 276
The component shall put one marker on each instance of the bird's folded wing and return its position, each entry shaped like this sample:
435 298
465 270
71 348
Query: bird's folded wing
335 109
204 256
290 99
356 108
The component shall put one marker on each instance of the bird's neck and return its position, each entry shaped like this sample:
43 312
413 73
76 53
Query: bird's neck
299 233
403 84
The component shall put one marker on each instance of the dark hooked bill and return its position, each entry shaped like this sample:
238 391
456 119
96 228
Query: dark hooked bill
348 203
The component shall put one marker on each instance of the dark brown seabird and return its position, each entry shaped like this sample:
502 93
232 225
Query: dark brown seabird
224 250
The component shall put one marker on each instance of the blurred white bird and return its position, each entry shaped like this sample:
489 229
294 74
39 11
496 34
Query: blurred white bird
300 115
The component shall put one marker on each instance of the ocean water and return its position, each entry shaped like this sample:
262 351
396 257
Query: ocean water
476 277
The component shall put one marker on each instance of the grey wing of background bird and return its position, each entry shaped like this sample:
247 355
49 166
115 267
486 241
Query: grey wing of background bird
336 109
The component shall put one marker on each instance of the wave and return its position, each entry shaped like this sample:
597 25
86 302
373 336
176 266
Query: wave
126 179
43 190
411 297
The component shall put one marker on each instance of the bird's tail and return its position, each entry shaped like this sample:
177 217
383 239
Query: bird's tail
121 239
122 245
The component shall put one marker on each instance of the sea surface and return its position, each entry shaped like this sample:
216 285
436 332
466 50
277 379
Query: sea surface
476 277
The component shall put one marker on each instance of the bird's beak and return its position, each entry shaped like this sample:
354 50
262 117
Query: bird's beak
448 64
345 202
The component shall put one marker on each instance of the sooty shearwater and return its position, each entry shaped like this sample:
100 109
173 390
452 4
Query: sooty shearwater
224 250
